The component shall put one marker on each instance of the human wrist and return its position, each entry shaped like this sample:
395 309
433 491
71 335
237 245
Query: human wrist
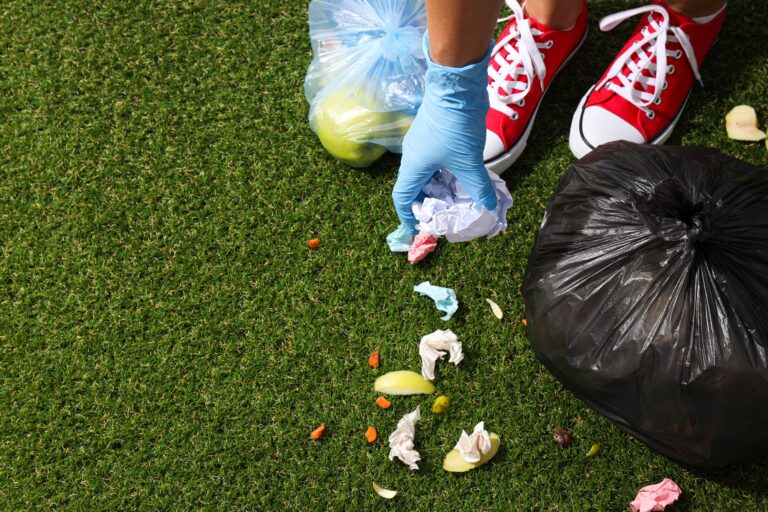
473 75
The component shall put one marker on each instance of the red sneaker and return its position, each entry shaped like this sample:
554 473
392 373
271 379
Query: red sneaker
518 78
642 94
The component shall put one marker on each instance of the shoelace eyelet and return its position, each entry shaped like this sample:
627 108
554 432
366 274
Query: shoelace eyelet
657 101
665 85
678 54
549 44
515 116
521 103
671 69
650 114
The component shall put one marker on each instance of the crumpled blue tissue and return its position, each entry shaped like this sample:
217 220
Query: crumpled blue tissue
400 240
445 298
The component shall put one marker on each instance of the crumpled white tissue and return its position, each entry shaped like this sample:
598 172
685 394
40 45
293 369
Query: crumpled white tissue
475 446
449 211
401 440
433 347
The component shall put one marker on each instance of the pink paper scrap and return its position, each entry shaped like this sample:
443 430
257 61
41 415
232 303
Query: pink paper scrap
423 244
653 498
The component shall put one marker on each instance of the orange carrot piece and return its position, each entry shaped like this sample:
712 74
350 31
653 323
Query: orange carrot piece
318 432
313 243
383 403
374 359
525 322
371 435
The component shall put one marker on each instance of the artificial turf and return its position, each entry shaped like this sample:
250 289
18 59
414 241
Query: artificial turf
167 339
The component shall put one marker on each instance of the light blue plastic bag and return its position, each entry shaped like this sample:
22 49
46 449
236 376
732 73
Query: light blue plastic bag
366 78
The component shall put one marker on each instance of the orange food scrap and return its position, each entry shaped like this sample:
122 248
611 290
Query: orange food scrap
383 403
318 432
525 322
313 243
374 359
371 435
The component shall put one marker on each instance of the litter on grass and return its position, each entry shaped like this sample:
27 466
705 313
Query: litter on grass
562 437
445 298
473 447
456 463
403 382
656 497
435 346
313 243
318 432
423 245
399 240
387 494
593 450
441 404
383 403
401 440
371 435
495 309
374 360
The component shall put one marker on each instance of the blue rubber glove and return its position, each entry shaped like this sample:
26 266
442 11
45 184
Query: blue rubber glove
447 133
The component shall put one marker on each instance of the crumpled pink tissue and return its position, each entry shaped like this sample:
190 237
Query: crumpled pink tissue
655 497
423 244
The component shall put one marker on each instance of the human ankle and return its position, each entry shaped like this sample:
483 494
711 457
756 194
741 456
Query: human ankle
558 14
697 8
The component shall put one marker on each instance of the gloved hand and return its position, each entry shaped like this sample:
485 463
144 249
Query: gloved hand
447 133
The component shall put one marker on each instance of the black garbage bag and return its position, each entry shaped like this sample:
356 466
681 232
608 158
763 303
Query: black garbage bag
647 296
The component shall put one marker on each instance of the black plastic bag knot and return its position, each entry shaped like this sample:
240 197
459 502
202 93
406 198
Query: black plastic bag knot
672 214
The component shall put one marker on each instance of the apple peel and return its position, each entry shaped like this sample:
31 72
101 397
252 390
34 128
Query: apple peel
387 494
741 124
495 309
593 451
403 382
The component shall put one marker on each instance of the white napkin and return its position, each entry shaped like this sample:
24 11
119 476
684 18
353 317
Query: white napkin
401 440
449 211
433 347
475 446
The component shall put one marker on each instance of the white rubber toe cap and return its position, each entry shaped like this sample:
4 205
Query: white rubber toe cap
599 126
493 146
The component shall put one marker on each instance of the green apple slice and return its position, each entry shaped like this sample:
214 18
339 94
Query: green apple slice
455 463
741 124
403 382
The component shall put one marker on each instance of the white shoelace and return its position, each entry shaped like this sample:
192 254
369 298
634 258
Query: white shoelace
638 59
523 59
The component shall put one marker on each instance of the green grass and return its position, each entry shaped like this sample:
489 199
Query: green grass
167 340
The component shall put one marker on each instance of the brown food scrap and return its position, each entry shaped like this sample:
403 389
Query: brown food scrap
562 437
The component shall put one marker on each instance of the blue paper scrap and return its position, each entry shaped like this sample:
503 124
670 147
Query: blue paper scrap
445 298
400 240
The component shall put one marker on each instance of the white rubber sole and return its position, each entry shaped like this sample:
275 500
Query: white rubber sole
579 144
504 161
